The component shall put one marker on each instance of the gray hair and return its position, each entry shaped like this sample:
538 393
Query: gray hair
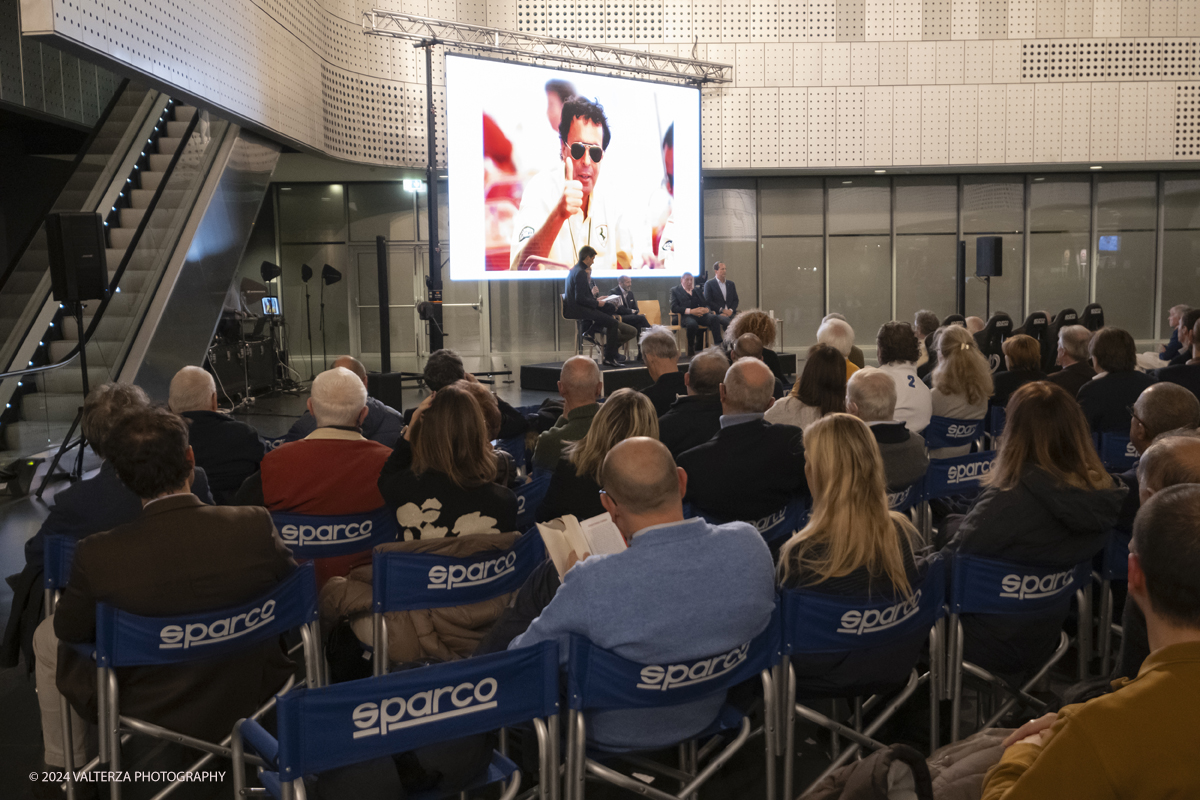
658 342
338 397
873 393
192 389
838 334
1165 406
707 371
1074 340
749 386
1174 458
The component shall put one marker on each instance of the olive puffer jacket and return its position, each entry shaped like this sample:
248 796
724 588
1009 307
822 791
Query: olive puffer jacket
439 634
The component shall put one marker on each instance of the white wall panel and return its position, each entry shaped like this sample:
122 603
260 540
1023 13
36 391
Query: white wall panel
922 63
1019 116
1006 62
935 124
893 63
724 54
822 126
677 21
1047 123
822 21
735 20
936 17
648 18
877 144
864 63
1076 121
1187 129
806 68
851 21
764 21
878 24
1164 18
1135 17
735 128
706 20
1077 19
793 21
777 64
992 124
764 139
906 125
710 128
993 19
793 127
1132 125
906 20
835 64
1106 118
751 63
1050 18
964 124
950 62
1160 122
1189 18
965 19
1106 18
1022 19
978 62
850 100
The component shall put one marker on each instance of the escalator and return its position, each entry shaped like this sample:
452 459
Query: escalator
179 191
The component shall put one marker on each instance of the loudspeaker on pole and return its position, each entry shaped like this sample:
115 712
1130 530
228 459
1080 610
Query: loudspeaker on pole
76 246
989 257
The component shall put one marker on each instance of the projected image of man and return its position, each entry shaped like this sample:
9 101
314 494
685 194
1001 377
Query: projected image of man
561 212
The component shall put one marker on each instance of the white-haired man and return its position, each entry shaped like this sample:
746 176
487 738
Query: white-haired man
228 450
871 396
838 334
1073 357
660 353
382 424
332 471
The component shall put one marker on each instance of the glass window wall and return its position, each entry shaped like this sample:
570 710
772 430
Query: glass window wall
1126 251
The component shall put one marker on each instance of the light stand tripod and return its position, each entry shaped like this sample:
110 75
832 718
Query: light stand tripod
77 471
329 276
306 274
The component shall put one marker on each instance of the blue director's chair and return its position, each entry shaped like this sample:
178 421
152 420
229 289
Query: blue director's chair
58 552
348 723
988 586
950 477
775 528
326 536
412 581
947 432
879 643
1114 566
529 497
599 680
1116 451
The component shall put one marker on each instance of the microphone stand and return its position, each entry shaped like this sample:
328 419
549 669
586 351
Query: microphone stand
308 326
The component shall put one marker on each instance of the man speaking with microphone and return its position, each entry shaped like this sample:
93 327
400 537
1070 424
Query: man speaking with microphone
563 212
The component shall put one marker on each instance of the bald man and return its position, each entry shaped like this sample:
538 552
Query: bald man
748 345
228 450
640 604
383 423
580 385
751 469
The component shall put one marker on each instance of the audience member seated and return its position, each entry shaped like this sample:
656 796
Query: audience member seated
975 324
660 354
761 325
855 355
1168 351
580 385
383 423
852 546
1023 364
962 383
1047 501
751 468
1075 359
696 417
575 487
97 504
444 367
750 346
1139 741
1183 332
871 396
897 353
820 390
627 307
227 449
838 334
1186 375
440 478
925 323
332 471
683 590
1106 398
176 556
506 466
1173 459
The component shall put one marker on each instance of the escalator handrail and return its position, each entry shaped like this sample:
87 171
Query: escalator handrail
86 336
79 156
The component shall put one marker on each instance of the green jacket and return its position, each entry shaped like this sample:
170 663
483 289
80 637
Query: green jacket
570 427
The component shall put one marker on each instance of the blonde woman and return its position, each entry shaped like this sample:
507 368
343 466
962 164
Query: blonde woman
1046 501
575 486
852 545
761 325
962 382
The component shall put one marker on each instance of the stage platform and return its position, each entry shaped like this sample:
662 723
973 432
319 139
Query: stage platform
544 377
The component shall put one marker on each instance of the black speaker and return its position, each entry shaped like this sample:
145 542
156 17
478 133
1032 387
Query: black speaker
78 268
989 257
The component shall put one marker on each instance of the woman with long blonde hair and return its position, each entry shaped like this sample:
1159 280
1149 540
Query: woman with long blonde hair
852 544
575 486
962 382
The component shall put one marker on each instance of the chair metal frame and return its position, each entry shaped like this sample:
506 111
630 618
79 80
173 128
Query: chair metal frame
112 724
957 665
268 748
764 649
1114 566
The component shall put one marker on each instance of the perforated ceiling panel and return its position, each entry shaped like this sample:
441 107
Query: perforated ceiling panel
816 82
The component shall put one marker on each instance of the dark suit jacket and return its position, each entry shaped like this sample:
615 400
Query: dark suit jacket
681 300
227 449
1186 376
1104 400
1008 382
578 293
664 391
746 471
569 493
178 556
712 295
628 304
691 421
1072 378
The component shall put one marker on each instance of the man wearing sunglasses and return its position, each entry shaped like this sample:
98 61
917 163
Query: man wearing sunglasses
561 212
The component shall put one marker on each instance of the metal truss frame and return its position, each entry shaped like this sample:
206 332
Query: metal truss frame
526 48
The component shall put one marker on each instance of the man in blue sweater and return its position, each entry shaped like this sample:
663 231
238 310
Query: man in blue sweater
683 590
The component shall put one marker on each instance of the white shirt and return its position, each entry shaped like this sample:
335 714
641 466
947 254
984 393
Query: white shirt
605 228
721 283
914 405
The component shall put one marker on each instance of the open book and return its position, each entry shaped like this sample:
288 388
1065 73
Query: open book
595 536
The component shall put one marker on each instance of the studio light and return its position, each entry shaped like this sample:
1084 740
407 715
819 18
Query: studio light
306 273
329 275
269 271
